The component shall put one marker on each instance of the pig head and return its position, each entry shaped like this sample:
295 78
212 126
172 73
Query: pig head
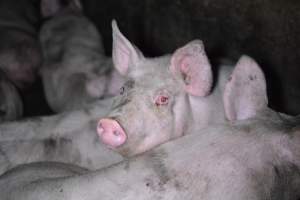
163 98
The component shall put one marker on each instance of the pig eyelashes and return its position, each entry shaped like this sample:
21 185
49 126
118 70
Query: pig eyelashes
161 100
127 85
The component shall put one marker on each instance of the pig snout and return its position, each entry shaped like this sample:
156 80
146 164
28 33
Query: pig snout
111 133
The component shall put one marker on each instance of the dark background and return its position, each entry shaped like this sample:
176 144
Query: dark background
267 30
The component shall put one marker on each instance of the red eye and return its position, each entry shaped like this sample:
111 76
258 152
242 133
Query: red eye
161 100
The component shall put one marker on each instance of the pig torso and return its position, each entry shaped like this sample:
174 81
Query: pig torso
68 137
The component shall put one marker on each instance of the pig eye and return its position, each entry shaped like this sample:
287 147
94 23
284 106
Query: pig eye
122 90
161 100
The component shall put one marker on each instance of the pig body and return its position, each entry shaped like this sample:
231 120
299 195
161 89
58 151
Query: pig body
75 71
68 137
254 157
20 54
11 105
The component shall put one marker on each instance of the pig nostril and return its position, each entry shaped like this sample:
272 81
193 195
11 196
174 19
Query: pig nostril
116 133
100 128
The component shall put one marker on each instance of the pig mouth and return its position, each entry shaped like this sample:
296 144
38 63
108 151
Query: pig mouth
111 133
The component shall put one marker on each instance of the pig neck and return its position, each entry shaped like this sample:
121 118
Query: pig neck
209 110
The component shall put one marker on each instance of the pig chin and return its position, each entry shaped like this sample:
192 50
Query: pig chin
138 145
127 151
134 145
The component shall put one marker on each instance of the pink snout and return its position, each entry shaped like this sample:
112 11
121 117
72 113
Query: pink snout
111 133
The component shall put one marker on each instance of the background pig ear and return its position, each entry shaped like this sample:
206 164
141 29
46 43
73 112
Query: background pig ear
50 8
124 53
75 5
245 92
191 63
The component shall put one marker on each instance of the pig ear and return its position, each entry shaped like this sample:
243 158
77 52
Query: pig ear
245 92
51 7
75 5
191 63
124 53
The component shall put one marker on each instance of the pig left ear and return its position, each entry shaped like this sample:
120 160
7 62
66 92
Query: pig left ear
192 64
245 93
124 54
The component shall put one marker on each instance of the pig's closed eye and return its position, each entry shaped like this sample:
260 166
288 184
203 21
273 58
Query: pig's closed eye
161 100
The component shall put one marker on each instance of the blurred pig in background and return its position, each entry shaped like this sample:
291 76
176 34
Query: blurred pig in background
20 54
75 70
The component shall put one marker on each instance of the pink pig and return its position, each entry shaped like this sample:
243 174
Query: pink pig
163 98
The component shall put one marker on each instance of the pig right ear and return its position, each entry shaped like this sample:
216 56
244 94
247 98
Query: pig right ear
124 54
245 93
191 63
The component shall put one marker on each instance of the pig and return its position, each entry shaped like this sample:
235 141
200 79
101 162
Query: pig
75 70
20 55
82 146
171 94
11 105
255 156
72 136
